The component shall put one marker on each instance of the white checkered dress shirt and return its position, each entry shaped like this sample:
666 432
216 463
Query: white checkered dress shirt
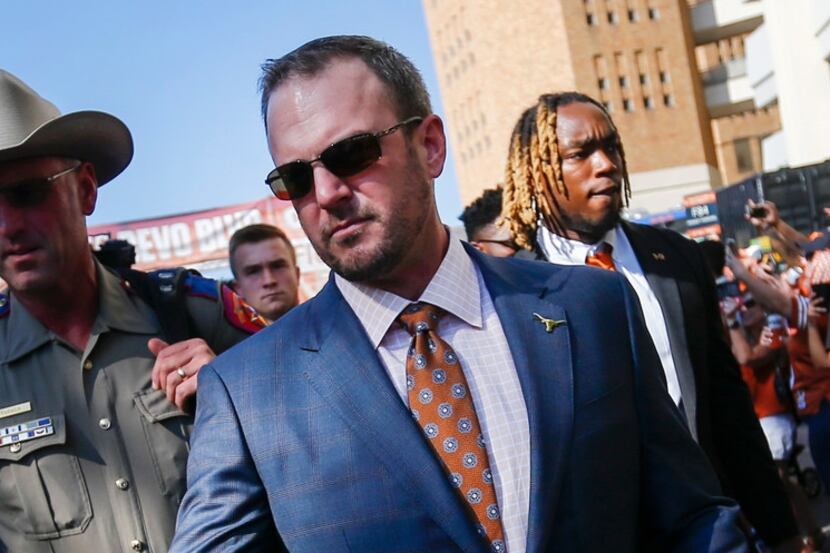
474 331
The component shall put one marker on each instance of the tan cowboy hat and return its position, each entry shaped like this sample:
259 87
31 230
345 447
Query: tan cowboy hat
33 127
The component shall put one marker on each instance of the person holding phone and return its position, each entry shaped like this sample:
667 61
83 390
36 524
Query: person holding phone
758 343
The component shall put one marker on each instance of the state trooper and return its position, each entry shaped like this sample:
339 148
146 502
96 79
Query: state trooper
93 421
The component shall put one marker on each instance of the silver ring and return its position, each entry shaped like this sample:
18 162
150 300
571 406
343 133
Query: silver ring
180 372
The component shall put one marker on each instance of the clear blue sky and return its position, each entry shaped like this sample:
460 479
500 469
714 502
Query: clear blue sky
183 75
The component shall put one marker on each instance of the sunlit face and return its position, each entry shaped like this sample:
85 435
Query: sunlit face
367 225
267 276
41 244
591 166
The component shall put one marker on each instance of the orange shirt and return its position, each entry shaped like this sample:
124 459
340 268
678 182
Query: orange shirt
809 384
761 384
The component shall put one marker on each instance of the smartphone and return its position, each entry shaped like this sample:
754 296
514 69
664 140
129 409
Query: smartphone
758 212
728 289
823 291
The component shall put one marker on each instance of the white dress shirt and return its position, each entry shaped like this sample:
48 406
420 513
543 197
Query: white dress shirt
564 251
472 327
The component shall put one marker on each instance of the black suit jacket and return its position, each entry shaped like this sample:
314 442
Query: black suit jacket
715 399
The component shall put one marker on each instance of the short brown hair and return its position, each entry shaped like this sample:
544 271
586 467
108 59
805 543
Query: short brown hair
253 234
403 81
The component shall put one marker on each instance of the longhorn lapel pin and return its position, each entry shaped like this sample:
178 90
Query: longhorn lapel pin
658 256
550 324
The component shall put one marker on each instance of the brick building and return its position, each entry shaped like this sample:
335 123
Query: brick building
673 74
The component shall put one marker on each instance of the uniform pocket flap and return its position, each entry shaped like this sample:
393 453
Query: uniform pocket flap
155 406
33 436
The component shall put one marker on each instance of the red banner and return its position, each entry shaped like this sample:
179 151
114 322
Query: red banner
200 239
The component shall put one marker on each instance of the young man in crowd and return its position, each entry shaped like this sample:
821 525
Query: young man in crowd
480 218
264 268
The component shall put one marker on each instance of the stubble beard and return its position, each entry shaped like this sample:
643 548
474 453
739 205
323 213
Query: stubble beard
588 230
367 263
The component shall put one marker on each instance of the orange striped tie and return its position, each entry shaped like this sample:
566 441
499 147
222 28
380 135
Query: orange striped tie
602 257
440 401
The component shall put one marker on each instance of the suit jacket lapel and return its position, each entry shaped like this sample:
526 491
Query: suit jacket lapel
656 263
543 363
347 371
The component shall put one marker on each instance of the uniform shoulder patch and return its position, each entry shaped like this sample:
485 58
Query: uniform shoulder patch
239 314
200 287
5 306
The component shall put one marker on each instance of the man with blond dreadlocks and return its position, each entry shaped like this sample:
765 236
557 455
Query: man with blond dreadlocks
566 183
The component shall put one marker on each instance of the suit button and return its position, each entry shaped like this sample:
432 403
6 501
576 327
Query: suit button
87 364
122 483
137 545
104 424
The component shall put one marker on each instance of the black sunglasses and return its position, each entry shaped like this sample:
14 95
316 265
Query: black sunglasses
506 243
31 192
344 158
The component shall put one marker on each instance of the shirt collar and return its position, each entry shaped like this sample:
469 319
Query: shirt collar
118 307
565 251
116 310
454 288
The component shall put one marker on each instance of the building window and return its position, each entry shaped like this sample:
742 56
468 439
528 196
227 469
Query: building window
643 79
612 17
743 155
648 103
668 100
607 106
591 19
664 77
628 105
623 81
632 16
653 14
602 83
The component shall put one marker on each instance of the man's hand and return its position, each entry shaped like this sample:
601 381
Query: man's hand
817 310
172 361
770 218
729 307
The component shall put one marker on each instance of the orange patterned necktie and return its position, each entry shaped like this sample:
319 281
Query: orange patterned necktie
441 403
602 257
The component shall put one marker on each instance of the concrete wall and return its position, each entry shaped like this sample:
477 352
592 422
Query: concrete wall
802 79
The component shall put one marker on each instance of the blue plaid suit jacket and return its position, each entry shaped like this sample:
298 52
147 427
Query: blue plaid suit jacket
301 442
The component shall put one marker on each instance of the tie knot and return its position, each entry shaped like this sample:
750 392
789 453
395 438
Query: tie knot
604 248
601 257
420 317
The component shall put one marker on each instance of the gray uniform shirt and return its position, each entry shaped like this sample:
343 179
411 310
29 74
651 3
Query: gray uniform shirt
98 462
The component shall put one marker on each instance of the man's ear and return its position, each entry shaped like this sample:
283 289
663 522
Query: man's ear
435 144
87 188
478 246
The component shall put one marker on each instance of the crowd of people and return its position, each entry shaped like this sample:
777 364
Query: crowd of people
608 387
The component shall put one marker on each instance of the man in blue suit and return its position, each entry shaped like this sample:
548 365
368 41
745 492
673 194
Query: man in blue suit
523 412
